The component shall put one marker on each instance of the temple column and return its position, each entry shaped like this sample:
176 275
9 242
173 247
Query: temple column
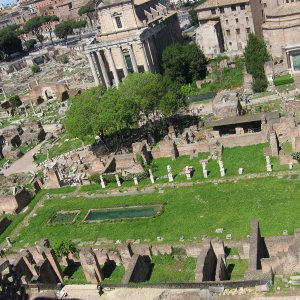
92 66
113 67
132 57
123 62
144 57
103 69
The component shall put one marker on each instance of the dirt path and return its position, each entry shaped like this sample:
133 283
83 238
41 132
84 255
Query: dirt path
24 164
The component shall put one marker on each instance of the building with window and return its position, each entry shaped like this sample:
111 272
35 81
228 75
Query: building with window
133 34
224 25
281 33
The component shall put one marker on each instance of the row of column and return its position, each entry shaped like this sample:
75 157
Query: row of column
96 61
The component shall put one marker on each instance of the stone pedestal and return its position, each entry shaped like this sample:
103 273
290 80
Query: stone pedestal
102 182
118 180
290 165
135 180
188 173
205 174
170 175
222 172
269 168
151 176
241 171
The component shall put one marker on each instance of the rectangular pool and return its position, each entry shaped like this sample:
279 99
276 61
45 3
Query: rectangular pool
131 212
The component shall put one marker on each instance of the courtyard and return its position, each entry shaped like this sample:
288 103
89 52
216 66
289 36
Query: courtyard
189 213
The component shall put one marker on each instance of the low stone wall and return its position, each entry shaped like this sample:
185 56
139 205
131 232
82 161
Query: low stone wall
278 244
4 222
14 203
247 139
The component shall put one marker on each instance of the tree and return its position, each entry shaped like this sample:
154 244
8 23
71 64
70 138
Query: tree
256 55
86 10
15 101
193 17
82 118
9 41
35 68
63 248
183 63
171 102
47 22
145 89
63 29
79 25
30 44
34 25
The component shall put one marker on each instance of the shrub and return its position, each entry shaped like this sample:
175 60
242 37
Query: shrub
286 79
63 59
35 69
260 84
296 156
30 44
15 101
63 248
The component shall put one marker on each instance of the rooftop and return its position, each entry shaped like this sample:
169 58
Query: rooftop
284 10
244 119
217 3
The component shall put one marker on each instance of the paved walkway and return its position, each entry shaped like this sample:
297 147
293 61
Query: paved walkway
24 164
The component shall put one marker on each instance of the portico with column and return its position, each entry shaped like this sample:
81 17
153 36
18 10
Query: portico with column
111 62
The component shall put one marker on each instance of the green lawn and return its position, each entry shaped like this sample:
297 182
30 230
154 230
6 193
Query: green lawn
167 269
237 268
188 211
75 274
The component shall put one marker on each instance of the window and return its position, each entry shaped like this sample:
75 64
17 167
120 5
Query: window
118 22
228 32
222 10
233 8
236 20
227 22
128 61
238 31
248 30
242 6
213 11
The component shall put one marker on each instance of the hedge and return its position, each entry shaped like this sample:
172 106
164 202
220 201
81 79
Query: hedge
285 79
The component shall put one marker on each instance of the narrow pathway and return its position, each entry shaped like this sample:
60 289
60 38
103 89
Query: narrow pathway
24 164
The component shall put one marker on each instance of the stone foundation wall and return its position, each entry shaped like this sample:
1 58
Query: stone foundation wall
247 139
278 244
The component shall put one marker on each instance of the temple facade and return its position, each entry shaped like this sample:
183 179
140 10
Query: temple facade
131 38
281 33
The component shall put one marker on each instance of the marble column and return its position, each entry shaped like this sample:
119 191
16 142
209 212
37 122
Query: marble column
92 66
113 67
103 69
144 57
123 62
133 60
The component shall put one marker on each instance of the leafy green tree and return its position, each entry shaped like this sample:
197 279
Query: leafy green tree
171 102
35 68
63 248
184 63
145 89
15 101
256 55
9 41
82 118
34 25
63 29
79 25
30 44
48 22
88 11
193 18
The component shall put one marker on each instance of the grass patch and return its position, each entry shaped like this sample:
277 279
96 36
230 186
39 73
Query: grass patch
237 268
167 269
287 148
113 274
188 211
75 274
